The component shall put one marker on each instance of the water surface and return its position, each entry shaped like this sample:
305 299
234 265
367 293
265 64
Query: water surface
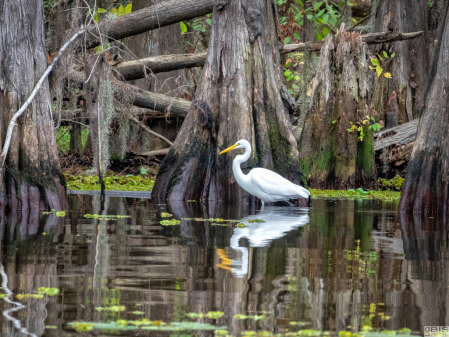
339 265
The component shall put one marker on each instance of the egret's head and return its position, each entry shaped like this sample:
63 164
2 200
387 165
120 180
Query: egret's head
241 144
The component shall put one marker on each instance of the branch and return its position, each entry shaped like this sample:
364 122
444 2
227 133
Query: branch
38 85
163 14
147 129
155 153
368 38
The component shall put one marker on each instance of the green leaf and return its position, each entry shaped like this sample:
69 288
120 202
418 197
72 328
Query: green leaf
121 11
385 54
392 55
325 29
128 8
380 57
294 86
287 40
114 11
320 36
209 22
296 35
101 10
317 5
300 2
143 170
287 73
183 27
321 12
309 16
96 17
375 62
325 20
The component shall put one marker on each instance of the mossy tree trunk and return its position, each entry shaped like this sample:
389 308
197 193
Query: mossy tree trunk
330 156
426 186
410 66
238 97
33 178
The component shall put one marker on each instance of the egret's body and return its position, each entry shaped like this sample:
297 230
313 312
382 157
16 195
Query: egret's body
267 185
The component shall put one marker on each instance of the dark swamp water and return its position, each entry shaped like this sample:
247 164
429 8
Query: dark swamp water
339 265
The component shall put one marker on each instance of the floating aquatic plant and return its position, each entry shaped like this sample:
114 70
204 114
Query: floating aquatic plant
166 215
241 225
255 221
173 222
356 194
115 308
48 291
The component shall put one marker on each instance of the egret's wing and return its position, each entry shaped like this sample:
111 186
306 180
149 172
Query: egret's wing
272 183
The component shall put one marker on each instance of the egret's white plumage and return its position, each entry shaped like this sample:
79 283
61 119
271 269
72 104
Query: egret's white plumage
265 184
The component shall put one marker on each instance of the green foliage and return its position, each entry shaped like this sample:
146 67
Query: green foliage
392 184
113 183
355 194
359 126
63 138
255 221
166 215
377 64
48 4
241 225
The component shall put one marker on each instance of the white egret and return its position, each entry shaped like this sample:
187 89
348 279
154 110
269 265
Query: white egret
265 184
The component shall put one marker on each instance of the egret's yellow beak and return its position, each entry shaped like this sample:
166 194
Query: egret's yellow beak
229 148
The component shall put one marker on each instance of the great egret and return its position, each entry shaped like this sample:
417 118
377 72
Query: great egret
266 185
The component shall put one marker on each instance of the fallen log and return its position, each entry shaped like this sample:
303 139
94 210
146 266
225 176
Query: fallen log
144 99
132 70
400 135
163 14
155 153
393 148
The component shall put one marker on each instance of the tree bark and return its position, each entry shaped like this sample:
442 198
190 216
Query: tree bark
157 16
132 70
409 68
33 179
239 97
158 42
426 186
330 156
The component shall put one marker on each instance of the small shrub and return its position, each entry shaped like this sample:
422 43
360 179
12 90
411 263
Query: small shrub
392 184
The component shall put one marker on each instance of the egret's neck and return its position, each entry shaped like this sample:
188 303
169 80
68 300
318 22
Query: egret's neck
241 158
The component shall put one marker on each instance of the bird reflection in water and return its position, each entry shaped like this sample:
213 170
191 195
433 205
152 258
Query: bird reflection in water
278 221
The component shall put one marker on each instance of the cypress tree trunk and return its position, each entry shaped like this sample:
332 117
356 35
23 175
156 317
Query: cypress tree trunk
410 66
330 156
33 175
426 186
238 97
